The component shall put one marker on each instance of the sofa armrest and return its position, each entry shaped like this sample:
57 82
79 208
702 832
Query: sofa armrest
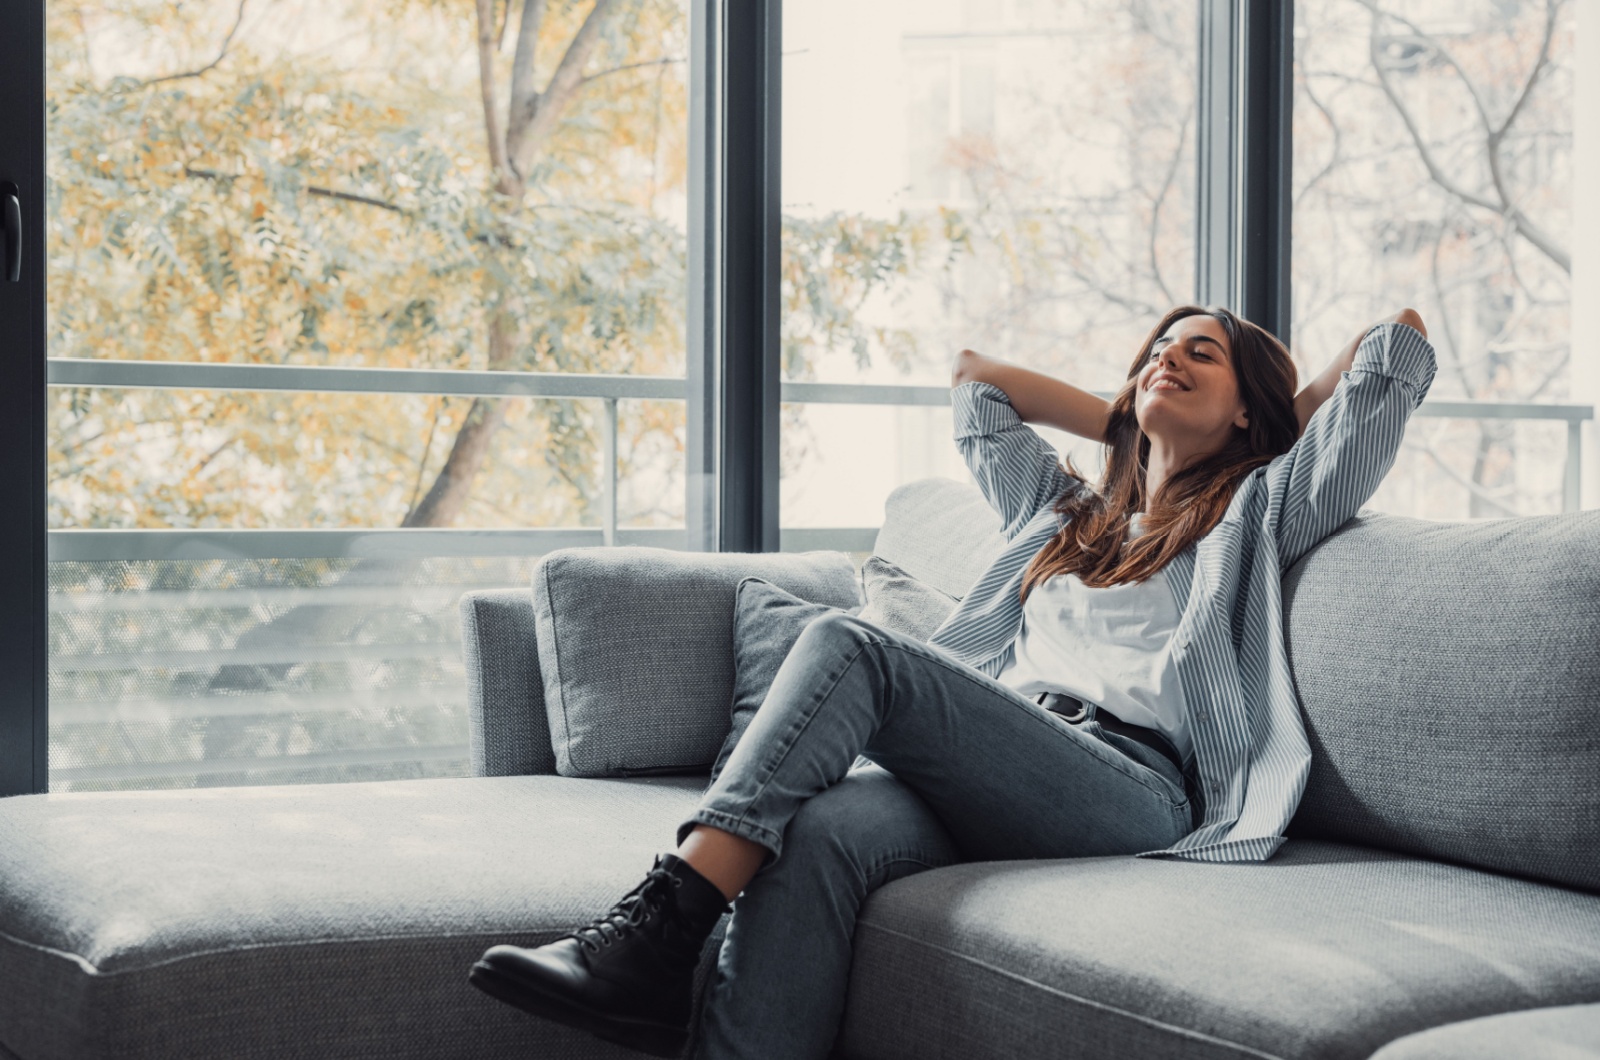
505 692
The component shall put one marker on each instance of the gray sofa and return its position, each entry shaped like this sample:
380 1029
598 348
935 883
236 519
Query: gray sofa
1440 895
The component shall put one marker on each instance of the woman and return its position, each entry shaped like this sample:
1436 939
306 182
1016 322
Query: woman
1148 606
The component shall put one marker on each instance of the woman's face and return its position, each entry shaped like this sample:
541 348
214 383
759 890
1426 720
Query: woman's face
1187 392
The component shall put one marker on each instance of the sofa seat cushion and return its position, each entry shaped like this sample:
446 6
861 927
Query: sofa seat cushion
1570 1032
328 920
1325 951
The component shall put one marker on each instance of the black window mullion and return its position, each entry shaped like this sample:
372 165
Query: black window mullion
1246 101
24 619
751 48
1265 192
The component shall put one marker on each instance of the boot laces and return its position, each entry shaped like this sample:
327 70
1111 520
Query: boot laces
637 906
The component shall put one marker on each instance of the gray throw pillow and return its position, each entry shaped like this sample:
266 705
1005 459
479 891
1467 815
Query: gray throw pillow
634 649
897 601
766 623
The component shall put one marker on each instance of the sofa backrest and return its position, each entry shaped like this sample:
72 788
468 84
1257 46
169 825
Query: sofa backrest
941 532
1448 673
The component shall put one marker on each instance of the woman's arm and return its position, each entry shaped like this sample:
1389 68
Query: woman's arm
1038 398
1351 443
1321 388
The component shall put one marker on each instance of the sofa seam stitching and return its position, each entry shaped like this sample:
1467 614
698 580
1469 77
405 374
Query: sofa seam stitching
286 944
1089 1002
555 651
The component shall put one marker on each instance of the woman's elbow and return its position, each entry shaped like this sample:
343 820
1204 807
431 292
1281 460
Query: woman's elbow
962 365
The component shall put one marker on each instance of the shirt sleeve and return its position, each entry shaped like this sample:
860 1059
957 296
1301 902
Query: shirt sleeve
1017 470
1351 441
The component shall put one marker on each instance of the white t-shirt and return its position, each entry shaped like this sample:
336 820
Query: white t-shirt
1108 646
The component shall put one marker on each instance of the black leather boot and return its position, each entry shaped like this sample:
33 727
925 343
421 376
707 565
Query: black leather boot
627 976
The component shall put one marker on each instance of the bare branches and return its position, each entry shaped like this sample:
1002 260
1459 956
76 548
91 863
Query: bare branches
1532 232
1167 181
1494 134
222 53
1473 488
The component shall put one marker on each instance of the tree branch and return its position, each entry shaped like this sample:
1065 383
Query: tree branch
1532 232
524 98
1504 208
629 66
422 463
222 53
1472 487
311 189
1155 208
491 116
534 125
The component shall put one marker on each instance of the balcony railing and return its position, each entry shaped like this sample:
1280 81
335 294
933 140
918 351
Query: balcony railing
430 643
609 389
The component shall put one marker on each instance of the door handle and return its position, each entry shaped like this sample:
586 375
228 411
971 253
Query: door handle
11 221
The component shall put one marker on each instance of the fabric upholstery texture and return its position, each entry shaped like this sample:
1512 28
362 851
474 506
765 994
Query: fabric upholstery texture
508 733
1571 1032
1449 674
766 623
329 920
1326 952
940 532
635 649
900 601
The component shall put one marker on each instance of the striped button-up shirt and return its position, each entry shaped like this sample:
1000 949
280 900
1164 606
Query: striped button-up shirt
1251 755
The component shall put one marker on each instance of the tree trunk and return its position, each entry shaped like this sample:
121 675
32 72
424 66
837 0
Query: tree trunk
449 492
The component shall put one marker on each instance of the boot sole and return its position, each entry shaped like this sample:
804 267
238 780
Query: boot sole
657 1039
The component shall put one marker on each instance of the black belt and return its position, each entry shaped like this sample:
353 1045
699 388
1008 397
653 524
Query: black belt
1074 710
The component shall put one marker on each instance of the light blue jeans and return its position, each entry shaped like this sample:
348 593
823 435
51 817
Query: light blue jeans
875 756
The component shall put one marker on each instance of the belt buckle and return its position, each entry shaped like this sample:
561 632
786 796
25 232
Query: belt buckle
1060 698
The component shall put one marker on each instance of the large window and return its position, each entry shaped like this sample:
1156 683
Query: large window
354 306
302 255
1433 167
1013 177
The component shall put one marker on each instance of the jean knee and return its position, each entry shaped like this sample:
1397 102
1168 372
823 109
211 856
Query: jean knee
835 628
865 821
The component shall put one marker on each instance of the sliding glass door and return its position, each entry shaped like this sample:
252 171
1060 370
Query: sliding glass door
353 307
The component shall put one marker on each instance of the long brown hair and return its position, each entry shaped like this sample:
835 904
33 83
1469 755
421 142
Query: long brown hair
1091 543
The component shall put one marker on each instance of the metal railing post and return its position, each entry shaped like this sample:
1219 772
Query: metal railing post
608 476
1570 497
